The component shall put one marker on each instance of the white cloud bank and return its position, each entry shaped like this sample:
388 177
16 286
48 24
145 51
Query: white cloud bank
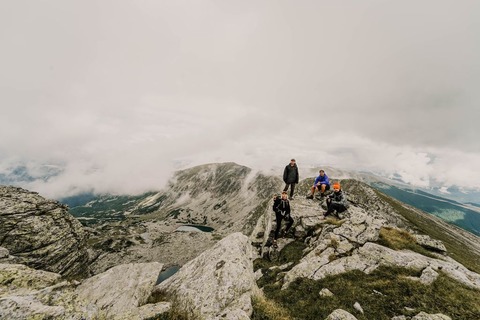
119 94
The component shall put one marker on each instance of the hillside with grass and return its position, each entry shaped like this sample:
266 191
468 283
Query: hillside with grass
385 260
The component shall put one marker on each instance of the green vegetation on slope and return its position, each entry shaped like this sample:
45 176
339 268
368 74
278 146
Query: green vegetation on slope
455 248
384 293
398 239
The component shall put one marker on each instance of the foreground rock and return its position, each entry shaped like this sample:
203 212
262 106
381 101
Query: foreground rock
41 233
217 284
22 293
118 292
20 279
318 264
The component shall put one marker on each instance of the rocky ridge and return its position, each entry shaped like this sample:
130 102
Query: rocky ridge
337 246
220 282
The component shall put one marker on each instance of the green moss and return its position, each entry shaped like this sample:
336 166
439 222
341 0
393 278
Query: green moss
265 309
393 293
399 239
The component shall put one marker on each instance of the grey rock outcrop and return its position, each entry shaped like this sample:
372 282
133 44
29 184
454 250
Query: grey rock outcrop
119 291
218 284
340 314
429 243
369 257
428 276
4 253
41 233
326 293
426 316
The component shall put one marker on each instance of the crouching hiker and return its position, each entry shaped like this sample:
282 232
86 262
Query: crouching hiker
281 207
337 201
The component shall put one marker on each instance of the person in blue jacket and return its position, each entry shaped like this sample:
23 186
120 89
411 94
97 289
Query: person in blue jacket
322 184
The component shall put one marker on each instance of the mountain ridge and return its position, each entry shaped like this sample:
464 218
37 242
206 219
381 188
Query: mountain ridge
381 241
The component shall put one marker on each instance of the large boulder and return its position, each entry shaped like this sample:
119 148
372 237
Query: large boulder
22 290
20 279
41 233
218 284
118 292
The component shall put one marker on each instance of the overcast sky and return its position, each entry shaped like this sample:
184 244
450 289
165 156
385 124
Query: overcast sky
121 93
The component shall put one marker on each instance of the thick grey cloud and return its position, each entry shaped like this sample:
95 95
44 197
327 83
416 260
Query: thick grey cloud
120 93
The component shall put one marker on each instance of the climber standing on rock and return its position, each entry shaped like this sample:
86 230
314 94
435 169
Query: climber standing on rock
281 207
322 184
290 177
337 201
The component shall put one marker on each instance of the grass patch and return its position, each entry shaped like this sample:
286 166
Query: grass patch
455 248
265 309
398 239
445 296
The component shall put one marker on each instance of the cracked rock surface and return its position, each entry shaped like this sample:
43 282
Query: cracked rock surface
41 233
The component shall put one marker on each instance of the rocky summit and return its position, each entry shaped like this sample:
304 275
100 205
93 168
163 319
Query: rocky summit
381 259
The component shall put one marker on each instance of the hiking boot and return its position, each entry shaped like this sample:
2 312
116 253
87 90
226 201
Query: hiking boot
310 197
274 244
292 198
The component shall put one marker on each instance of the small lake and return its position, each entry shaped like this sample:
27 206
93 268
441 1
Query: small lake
164 275
194 228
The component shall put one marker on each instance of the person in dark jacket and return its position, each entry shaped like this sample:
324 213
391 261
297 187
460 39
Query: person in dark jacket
290 177
281 207
337 201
